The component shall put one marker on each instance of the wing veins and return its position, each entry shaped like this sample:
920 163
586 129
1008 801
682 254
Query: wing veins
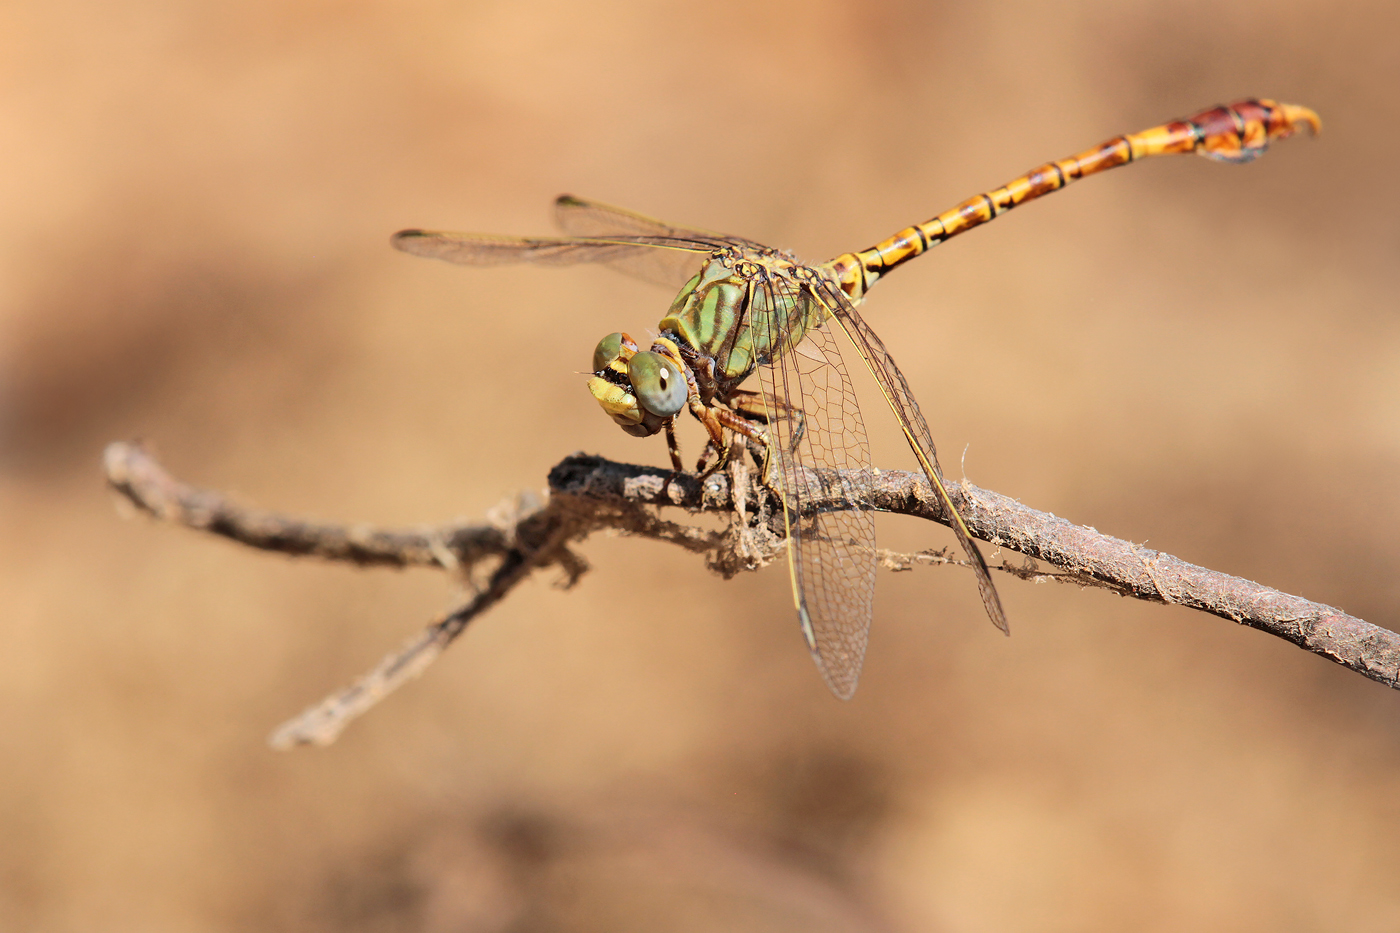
831 556
911 420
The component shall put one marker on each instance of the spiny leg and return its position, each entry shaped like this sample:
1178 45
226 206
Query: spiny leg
718 449
673 445
752 406
755 435
710 459
746 416
1240 132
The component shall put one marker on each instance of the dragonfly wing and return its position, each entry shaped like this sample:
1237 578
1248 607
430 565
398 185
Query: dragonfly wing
580 217
911 420
485 249
816 430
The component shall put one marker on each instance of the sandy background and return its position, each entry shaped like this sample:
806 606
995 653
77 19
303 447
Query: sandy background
196 202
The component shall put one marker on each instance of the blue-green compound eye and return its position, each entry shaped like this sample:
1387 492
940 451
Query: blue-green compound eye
608 350
658 383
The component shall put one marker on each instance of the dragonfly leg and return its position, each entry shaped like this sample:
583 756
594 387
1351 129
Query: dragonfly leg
713 418
759 441
710 459
753 407
715 456
673 446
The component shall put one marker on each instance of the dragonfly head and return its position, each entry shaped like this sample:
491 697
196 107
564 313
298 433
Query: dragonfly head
639 389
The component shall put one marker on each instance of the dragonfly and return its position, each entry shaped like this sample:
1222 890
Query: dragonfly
747 308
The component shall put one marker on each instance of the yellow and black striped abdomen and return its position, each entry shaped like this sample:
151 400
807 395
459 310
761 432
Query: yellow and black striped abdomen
1240 132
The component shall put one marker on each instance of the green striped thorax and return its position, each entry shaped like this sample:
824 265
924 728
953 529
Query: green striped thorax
742 311
726 320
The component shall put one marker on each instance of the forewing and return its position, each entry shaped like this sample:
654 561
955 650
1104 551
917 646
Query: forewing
666 260
911 421
580 217
831 551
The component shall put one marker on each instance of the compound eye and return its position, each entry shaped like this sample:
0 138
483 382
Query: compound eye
610 349
658 383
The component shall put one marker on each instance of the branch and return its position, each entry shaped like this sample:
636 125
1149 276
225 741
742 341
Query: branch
589 494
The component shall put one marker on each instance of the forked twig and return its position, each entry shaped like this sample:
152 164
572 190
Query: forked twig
589 494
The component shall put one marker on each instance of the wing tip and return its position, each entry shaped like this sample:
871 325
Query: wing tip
991 600
400 240
844 692
842 684
842 687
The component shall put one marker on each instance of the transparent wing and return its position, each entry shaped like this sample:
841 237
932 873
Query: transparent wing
580 217
655 258
816 430
911 420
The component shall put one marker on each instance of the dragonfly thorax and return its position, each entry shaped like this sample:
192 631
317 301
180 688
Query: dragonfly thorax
739 311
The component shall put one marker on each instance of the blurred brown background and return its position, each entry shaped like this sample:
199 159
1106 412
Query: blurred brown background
196 203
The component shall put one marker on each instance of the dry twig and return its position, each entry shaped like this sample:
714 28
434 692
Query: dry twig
589 494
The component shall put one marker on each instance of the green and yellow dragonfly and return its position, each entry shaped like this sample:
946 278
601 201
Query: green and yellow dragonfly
745 308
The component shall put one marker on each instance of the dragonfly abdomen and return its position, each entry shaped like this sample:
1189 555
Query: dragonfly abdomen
1240 132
